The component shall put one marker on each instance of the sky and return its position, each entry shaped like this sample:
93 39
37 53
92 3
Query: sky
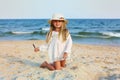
36 9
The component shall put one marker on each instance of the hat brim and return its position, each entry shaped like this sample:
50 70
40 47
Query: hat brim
49 21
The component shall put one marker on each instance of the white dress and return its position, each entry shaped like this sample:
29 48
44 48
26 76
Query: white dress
57 48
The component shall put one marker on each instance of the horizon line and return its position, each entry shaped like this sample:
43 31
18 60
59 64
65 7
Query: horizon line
49 18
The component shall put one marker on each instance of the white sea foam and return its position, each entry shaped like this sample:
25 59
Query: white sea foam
20 32
45 29
79 35
113 34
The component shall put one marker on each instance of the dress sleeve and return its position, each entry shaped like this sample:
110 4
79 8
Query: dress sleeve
43 48
68 44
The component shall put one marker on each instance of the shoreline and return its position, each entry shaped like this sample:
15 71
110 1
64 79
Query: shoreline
74 42
88 62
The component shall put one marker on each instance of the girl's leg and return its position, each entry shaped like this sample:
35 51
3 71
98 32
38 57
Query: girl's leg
62 62
57 65
49 66
43 65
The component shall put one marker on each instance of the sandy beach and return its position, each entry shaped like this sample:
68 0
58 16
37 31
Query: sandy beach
18 61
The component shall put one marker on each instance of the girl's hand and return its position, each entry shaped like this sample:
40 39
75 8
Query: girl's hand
36 49
65 55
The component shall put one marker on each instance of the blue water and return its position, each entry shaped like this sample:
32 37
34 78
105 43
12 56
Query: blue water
83 31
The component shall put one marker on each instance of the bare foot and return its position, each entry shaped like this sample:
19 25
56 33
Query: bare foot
43 65
50 67
46 65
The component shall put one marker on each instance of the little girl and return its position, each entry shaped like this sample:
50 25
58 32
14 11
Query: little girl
58 45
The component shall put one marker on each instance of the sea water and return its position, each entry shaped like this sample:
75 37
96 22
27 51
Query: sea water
83 31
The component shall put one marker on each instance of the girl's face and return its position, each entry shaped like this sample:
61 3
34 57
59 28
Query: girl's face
57 23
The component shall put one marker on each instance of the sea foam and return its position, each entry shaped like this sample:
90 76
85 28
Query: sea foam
113 34
20 32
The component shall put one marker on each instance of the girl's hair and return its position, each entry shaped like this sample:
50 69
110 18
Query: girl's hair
63 33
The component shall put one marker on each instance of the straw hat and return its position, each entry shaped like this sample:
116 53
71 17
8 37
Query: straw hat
58 17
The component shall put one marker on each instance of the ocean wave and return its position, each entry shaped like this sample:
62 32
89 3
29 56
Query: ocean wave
104 35
112 34
89 36
89 33
80 36
25 32
21 32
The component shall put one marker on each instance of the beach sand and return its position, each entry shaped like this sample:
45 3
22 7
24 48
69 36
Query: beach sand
18 61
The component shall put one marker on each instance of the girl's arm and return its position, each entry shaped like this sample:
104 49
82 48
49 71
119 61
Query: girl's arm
68 46
40 48
36 49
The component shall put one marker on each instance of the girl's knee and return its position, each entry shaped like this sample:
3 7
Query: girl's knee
63 63
57 65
